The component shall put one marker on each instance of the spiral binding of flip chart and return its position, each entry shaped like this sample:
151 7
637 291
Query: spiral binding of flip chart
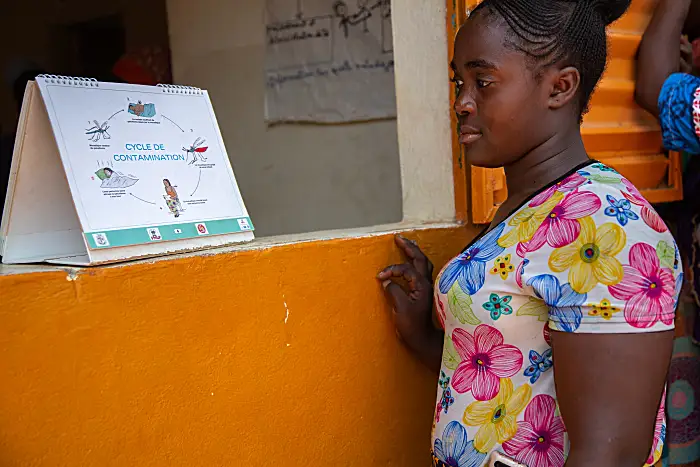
177 89
70 80
92 82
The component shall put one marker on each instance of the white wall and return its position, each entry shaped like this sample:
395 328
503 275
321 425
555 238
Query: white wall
294 178
423 106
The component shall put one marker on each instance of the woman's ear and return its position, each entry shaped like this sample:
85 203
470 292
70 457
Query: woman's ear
564 86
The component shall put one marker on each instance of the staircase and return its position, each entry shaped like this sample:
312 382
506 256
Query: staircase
615 131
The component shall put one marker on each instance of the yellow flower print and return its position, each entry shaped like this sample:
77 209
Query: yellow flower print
604 309
497 417
526 222
502 266
591 258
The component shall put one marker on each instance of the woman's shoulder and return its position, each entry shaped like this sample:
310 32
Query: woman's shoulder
621 202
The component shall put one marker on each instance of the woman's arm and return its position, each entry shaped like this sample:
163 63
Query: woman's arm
412 307
659 55
609 387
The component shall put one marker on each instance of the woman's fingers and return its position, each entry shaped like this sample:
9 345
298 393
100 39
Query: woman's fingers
405 271
396 294
417 257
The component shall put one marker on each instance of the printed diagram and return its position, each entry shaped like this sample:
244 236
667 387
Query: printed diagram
197 151
117 184
172 200
142 110
98 131
111 179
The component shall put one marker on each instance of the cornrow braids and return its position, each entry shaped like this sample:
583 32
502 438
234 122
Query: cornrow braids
564 32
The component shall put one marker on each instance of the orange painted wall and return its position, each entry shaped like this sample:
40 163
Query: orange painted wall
195 361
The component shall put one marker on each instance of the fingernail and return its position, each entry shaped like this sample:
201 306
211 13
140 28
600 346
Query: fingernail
386 283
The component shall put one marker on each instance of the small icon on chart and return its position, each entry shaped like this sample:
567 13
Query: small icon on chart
142 110
97 131
100 239
197 149
154 234
177 231
202 228
243 224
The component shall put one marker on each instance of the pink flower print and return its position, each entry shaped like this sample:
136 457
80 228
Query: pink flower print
561 227
570 183
520 271
659 432
441 312
648 289
485 360
649 215
539 441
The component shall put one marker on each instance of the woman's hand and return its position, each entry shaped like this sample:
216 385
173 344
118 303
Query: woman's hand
412 308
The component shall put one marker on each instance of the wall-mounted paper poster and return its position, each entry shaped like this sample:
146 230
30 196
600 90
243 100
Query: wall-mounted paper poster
329 61
105 172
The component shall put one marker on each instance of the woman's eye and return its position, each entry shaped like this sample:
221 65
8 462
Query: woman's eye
483 84
458 82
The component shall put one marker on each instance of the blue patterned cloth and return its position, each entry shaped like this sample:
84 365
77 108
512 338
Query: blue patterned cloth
676 113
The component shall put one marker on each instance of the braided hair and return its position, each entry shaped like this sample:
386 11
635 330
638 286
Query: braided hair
562 32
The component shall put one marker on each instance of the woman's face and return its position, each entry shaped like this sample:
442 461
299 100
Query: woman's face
502 109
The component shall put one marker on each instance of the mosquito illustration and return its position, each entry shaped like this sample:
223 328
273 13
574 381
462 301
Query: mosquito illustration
98 131
197 150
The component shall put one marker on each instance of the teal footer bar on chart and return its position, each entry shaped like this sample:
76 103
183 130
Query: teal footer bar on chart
165 233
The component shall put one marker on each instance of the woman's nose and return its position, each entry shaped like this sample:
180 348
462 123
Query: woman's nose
464 104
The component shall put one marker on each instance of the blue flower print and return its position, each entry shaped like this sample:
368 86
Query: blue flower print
622 209
585 174
679 286
564 304
497 306
453 450
604 168
538 364
469 268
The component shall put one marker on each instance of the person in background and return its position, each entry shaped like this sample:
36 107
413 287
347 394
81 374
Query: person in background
673 97
668 87
556 322
149 65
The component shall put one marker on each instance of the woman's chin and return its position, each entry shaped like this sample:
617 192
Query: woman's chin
483 161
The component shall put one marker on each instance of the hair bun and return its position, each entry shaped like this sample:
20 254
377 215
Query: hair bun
609 10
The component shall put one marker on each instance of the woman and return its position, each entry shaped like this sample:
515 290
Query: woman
575 259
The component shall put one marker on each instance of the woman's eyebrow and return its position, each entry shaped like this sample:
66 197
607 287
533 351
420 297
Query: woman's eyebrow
480 63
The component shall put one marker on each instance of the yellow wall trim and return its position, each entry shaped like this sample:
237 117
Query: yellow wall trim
278 356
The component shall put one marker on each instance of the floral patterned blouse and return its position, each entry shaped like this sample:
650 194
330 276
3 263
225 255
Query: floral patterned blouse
587 254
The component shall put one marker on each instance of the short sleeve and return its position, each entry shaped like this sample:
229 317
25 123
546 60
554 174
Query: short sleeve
603 261
679 113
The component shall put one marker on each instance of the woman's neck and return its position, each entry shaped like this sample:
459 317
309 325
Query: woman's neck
544 164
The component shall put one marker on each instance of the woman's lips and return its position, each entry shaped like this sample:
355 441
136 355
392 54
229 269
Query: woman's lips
468 135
